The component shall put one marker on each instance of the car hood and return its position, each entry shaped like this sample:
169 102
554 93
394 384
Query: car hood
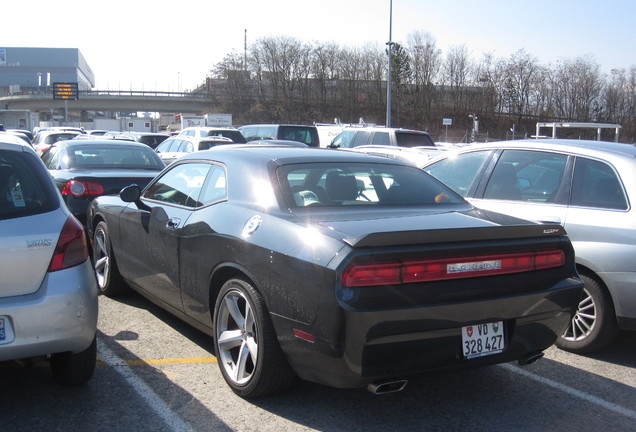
373 229
26 249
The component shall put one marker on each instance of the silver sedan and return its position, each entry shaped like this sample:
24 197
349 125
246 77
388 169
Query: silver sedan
589 188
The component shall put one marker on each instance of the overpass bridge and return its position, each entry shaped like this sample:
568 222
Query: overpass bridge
113 100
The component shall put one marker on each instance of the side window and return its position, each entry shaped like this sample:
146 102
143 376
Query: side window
181 185
186 147
164 146
458 172
596 184
381 138
175 146
215 187
531 176
361 138
343 140
49 158
266 132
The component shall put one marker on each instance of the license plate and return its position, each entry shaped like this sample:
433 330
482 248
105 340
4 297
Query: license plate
483 339
6 332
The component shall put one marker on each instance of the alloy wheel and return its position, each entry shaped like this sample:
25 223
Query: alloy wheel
237 337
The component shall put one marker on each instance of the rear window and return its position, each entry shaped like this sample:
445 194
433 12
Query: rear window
304 134
357 184
25 186
412 139
235 136
92 156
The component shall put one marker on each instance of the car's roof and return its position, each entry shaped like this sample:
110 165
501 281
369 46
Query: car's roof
278 124
383 129
583 147
10 139
210 128
103 142
283 154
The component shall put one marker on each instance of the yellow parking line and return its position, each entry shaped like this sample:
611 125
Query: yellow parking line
167 361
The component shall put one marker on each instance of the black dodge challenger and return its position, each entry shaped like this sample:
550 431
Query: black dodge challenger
341 268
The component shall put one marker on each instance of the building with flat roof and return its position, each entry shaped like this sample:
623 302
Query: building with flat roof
29 69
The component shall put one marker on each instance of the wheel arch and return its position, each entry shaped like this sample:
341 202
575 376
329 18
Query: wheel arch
222 274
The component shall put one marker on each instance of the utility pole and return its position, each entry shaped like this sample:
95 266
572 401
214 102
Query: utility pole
389 77
245 51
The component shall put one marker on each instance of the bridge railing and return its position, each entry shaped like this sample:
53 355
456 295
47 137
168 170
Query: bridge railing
140 93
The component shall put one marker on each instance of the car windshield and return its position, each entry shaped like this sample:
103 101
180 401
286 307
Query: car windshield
355 184
93 156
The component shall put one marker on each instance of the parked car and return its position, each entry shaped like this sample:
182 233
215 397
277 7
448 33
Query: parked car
303 133
85 169
26 132
345 269
417 156
355 136
43 140
589 188
48 292
208 131
173 148
151 139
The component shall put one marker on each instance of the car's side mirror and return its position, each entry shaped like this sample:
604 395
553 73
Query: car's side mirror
130 193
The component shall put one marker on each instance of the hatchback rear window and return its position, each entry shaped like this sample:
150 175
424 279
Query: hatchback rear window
304 134
25 186
411 139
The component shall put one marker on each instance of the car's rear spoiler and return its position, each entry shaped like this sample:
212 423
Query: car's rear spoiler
394 238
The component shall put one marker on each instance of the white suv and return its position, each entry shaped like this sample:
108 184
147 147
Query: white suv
359 136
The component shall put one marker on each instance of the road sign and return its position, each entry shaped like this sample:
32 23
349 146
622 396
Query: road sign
447 122
65 91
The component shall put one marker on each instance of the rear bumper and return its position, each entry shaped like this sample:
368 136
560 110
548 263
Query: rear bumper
61 316
398 343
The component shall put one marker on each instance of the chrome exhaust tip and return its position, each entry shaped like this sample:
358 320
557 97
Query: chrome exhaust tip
389 386
529 359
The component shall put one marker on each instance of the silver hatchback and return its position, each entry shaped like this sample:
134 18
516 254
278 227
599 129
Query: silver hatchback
588 187
48 291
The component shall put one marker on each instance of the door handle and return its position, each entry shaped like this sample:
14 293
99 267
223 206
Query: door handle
173 223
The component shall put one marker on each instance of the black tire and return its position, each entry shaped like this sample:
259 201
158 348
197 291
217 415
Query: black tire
246 347
74 369
594 324
109 280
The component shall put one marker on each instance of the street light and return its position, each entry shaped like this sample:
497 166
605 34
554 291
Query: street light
388 79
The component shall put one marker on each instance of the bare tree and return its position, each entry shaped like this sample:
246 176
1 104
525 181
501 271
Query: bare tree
576 89
426 64
456 71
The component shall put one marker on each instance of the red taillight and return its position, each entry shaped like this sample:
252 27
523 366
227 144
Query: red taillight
71 248
372 274
449 268
79 188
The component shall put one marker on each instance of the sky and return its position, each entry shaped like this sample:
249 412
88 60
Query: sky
171 46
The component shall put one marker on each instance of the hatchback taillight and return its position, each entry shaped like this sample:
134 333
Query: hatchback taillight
79 188
409 271
71 248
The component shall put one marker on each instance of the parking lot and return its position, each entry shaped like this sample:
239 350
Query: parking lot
156 373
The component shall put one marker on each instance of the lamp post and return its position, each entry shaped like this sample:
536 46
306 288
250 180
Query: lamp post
389 77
